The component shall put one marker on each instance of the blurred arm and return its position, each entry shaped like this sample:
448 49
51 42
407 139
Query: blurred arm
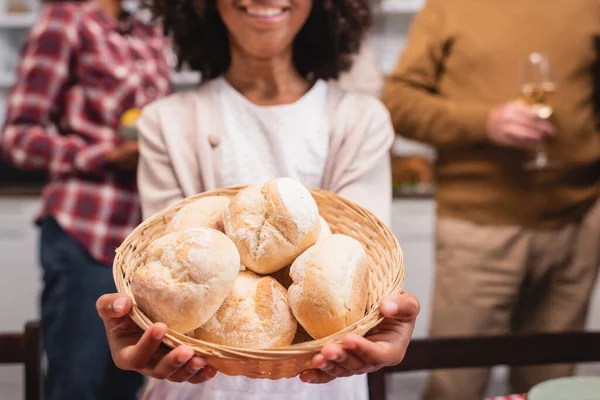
410 93
157 183
365 177
30 139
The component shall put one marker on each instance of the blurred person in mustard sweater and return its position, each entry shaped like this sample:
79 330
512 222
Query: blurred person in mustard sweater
517 248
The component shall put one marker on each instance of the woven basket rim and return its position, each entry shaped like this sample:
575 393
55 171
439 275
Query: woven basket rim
371 319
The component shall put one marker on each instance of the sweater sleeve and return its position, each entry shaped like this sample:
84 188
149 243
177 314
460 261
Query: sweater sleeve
157 182
363 161
31 140
411 92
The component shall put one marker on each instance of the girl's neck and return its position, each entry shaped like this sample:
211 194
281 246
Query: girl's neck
272 81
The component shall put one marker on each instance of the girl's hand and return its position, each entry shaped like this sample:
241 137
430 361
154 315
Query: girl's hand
135 350
383 346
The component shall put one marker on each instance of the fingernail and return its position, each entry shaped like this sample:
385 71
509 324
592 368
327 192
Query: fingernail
211 372
197 363
325 366
351 346
183 357
310 378
119 304
157 333
390 306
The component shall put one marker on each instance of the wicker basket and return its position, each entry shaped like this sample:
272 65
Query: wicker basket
386 276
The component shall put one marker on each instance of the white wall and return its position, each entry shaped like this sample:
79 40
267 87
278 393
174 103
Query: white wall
413 224
19 272
19 279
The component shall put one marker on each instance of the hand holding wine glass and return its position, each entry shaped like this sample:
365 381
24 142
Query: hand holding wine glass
517 125
537 90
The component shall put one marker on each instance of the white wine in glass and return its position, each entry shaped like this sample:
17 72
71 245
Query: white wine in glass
537 89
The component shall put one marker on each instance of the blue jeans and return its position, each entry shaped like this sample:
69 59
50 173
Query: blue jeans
79 363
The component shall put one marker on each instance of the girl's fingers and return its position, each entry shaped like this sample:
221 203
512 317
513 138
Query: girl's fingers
113 308
191 368
373 354
172 362
138 356
346 360
336 370
316 377
204 375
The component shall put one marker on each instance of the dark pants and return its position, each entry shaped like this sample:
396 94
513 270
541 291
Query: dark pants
79 363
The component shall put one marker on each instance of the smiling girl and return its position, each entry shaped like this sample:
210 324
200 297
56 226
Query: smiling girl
264 110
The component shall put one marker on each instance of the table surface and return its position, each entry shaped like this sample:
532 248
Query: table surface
511 397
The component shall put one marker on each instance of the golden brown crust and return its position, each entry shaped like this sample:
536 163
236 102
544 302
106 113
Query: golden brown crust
186 277
255 314
329 290
325 230
272 224
204 212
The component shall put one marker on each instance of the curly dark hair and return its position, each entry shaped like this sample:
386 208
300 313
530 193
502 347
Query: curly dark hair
322 49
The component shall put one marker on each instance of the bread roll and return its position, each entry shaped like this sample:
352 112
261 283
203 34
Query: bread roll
204 212
186 277
272 224
283 275
255 314
329 289
325 229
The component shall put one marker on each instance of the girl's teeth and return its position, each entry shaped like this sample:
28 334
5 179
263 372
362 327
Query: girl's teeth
264 12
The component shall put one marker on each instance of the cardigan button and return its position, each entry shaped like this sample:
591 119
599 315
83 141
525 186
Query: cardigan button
213 140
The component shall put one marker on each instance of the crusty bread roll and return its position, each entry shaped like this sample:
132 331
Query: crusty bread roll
325 229
272 224
204 212
186 277
329 289
283 275
255 314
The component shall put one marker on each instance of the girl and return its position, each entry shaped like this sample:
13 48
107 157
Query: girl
264 111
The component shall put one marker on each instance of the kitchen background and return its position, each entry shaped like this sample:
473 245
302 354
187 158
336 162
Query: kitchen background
413 208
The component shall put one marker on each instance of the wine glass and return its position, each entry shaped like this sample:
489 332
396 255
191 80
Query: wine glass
537 89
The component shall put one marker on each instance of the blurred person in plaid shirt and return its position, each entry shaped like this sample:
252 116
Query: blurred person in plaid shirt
84 67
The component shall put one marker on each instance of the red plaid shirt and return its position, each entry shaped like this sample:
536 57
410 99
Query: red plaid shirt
80 71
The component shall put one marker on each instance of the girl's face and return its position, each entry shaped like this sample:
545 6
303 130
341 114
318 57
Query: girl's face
263 28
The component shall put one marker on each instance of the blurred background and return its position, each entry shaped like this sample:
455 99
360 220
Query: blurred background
413 207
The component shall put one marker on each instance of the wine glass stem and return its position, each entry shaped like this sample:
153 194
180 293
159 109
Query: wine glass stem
540 155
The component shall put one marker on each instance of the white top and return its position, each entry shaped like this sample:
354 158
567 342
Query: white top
261 143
